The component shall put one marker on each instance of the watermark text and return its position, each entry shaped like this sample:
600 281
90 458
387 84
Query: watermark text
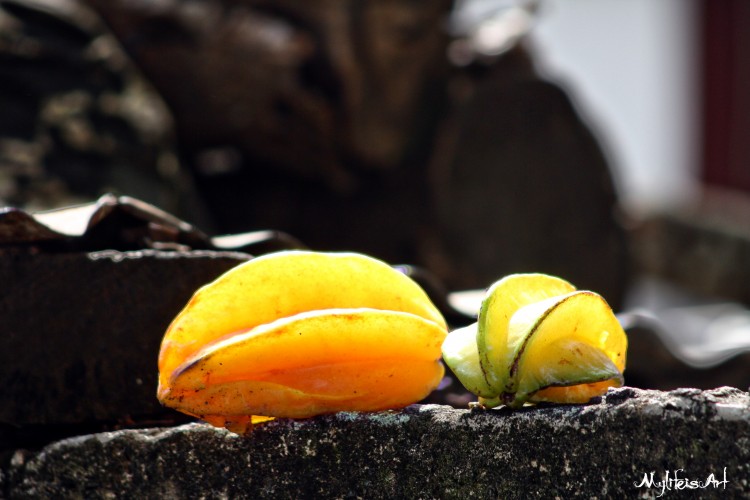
677 480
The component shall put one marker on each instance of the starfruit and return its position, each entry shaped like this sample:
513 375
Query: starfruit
538 339
297 334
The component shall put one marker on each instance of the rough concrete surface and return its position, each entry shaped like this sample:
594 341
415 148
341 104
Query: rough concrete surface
600 450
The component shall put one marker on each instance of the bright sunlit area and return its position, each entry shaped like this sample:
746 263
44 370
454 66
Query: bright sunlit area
631 69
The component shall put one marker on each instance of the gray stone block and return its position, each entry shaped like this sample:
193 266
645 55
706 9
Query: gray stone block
80 332
602 450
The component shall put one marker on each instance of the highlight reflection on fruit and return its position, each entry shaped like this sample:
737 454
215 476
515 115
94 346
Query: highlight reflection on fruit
297 334
538 339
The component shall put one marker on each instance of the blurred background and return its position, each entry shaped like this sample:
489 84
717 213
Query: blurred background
599 140
635 70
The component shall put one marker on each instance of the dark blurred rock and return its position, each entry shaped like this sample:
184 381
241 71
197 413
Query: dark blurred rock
344 125
80 332
703 247
78 118
523 186
313 87
602 450
347 126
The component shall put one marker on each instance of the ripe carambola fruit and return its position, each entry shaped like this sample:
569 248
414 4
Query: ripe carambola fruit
299 333
538 339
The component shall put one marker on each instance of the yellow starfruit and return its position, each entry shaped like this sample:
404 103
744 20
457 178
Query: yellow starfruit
538 339
297 334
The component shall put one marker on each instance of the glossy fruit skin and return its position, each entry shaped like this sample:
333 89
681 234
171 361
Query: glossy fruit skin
503 299
299 333
538 339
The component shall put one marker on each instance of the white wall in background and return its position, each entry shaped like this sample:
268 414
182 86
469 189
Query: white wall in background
631 68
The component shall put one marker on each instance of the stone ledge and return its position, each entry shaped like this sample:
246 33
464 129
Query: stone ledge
430 451
81 331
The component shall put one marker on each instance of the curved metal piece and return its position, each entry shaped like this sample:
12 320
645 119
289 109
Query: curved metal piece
122 223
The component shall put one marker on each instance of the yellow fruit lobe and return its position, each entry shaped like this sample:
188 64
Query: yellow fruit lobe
575 340
503 299
283 284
